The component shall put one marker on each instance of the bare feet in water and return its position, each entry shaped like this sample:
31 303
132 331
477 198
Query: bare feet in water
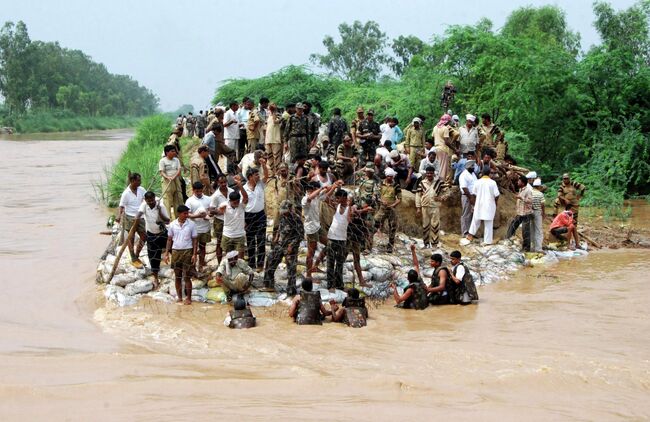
187 301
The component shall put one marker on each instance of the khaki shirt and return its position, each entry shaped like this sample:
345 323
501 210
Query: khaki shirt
199 170
253 119
390 193
426 193
439 135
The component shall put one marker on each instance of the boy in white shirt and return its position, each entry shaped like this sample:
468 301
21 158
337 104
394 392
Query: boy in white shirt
199 205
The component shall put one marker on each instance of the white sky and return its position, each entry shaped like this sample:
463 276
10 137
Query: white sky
183 50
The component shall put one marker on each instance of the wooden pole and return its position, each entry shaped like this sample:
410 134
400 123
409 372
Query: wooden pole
129 237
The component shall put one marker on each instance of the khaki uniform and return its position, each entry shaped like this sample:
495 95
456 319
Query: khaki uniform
199 173
388 193
489 136
175 141
569 195
253 132
414 141
172 195
354 127
443 152
273 142
426 193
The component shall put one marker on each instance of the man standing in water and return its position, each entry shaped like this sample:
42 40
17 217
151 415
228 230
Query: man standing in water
155 219
199 204
182 242
129 204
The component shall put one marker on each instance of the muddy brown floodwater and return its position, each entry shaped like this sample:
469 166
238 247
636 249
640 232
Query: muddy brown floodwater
567 342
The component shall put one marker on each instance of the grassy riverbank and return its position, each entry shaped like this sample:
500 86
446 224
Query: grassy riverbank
61 121
141 156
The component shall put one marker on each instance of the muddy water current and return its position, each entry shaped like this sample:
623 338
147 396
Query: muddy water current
565 342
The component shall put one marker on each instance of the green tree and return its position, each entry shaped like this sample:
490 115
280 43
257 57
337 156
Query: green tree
404 48
16 59
359 56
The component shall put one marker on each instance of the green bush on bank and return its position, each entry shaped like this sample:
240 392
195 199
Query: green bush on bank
64 121
141 156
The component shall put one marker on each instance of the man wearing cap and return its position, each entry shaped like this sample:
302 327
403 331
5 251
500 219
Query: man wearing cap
234 274
489 134
466 182
427 195
468 135
368 135
199 169
347 157
569 193
336 128
182 242
442 142
538 215
354 126
390 195
402 166
296 132
286 243
414 142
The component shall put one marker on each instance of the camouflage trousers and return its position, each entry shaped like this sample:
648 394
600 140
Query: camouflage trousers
430 225
273 260
297 145
274 152
388 218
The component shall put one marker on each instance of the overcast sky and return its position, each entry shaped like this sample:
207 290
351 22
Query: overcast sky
183 50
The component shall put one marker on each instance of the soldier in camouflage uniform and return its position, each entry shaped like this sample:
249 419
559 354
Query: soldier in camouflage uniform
569 193
286 244
368 193
369 134
313 123
347 157
490 136
337 128
390 195
296 131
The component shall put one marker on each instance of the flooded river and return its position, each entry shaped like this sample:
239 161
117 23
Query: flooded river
568 342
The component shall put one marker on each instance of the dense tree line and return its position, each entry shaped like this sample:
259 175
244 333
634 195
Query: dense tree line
563 109
36 75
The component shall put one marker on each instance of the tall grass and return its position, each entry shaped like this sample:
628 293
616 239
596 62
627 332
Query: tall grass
141 156
64 121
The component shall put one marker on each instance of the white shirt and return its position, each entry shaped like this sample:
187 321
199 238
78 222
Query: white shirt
197 205
426 163
468 139
311 213
486 191
339 228
232 131
153 215
217 200
169 167
255 197
466 180
460 271
131 201
383 152
233 220
182 235
387 134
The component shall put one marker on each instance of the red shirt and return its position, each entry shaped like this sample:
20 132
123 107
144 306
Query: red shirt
564 219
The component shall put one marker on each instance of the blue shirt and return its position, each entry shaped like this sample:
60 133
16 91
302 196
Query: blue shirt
398 135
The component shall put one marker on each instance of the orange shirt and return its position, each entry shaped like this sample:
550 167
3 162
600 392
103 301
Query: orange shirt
564 219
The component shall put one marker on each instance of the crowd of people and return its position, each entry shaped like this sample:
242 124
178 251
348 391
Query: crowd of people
334 183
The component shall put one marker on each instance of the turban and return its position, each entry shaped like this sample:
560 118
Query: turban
444 119
389 172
